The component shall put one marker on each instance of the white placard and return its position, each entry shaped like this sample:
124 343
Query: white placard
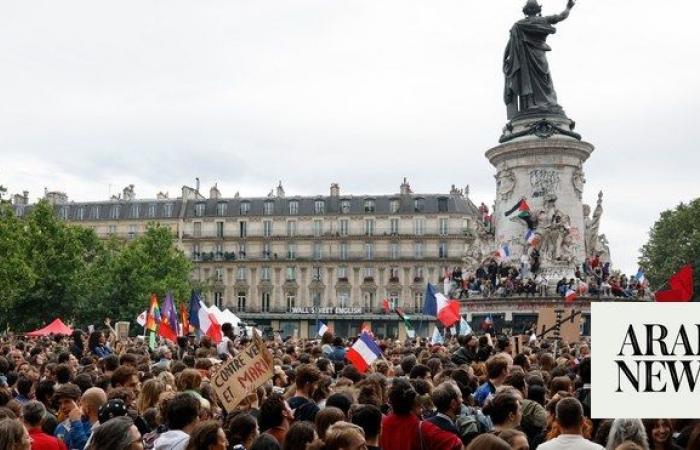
645 360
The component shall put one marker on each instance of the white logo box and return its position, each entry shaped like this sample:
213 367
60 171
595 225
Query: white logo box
615 393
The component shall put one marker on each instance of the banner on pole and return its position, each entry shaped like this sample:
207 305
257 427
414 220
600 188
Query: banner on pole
243 374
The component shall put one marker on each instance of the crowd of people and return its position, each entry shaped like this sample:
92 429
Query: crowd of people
506 278
473 392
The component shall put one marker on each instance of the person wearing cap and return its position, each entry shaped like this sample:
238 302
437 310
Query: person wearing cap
33 413
73 431
108 410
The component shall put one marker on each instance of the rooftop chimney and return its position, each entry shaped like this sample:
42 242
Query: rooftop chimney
280 190
335 190
196 184
128 193
405 187
214 192
55 197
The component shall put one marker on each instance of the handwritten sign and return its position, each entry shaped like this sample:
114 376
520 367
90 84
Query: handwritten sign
243 374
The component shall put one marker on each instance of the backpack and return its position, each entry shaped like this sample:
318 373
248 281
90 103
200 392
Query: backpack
468 428
471 424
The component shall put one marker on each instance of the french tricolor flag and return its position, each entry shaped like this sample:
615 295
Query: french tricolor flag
363 353
570 296
322 328
208 324
436 304
531 238
504 252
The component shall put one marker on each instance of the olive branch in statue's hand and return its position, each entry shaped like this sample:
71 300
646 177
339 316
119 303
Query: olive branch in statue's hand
571 4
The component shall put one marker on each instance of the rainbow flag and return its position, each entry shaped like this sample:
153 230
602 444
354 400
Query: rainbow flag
153 317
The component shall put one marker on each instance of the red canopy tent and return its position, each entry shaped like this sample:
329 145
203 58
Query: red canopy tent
55 327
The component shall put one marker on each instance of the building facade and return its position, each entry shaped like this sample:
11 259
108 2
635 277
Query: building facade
285 262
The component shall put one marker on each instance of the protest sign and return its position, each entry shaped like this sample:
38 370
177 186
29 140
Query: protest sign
570 330
242 374
122 329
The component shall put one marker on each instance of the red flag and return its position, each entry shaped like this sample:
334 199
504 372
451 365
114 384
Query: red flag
681 287
185 320
168 319
385 305
570 296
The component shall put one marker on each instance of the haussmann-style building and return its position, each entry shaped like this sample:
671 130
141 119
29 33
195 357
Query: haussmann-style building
284 262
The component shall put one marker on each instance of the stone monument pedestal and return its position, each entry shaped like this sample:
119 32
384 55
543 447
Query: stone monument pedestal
541 162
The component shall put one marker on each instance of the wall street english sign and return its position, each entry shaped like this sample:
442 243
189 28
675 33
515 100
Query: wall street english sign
337 310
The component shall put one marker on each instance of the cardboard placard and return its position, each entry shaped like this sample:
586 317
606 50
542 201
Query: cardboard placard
122 329
570 332
243 374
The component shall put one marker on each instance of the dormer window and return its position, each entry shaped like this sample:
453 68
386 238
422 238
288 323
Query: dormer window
369 205
345 206
134 214
80 213
245 207
319 207
394 206
269 208
168 210
419 204
221 209
95 212
293 207
199 209
152 208
115 212
442 204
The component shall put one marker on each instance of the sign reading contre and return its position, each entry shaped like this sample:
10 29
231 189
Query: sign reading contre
243 374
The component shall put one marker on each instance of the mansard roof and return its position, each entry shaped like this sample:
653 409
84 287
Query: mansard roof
144 209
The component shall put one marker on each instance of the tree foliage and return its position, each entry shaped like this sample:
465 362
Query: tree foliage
674 241
148 264
53 269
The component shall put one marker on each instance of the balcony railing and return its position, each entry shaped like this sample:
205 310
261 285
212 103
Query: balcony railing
363 235
354 257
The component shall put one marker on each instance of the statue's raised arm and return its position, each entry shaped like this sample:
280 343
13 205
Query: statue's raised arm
559 17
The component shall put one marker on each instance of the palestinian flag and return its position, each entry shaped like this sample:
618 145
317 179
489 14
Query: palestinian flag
523 210
407 323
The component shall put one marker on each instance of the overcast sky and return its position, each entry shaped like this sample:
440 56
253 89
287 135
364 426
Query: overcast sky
96 95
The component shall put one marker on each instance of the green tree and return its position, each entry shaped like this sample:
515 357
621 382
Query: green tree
674 241
16 274
59 257
134 270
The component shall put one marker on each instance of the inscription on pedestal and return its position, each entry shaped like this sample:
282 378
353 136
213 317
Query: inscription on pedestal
544 181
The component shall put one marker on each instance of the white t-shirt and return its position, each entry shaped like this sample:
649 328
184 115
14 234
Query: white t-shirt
222 347
569 442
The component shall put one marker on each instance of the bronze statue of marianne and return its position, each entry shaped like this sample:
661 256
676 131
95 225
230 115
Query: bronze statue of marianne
529 89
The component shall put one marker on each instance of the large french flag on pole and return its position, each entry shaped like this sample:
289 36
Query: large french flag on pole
436 304
363 353
208 324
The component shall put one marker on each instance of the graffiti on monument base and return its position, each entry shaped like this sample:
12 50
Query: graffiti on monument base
544 181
